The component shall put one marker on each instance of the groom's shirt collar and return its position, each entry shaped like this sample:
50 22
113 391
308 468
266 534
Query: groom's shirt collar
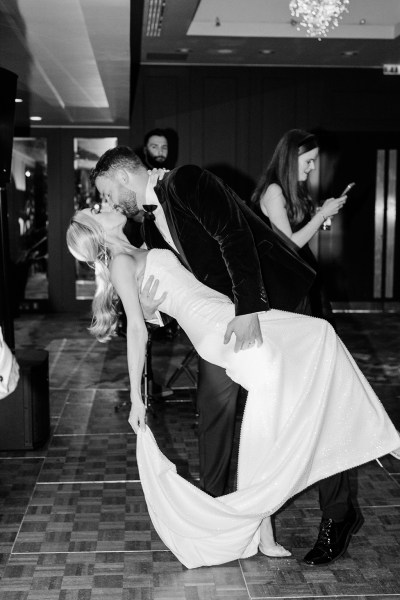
160 220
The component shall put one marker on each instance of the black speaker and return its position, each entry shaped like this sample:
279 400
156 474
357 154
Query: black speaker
25 414
8 87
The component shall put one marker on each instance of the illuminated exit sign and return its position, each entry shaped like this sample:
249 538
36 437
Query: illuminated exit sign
391 69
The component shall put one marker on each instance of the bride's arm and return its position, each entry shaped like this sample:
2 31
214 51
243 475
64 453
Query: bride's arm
123 278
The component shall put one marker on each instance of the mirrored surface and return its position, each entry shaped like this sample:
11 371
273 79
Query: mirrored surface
28 221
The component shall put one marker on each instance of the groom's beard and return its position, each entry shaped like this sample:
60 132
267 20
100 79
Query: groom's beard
127 202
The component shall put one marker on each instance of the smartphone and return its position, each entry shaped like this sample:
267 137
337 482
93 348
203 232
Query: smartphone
347 189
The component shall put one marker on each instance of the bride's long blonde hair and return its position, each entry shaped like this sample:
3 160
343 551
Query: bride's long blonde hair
86 242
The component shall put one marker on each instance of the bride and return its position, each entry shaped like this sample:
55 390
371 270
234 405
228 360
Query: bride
310 412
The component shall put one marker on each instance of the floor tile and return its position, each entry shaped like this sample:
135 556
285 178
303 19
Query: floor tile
18 477
77 515
57 401
90 458
92 413
86 517
114 576
370 565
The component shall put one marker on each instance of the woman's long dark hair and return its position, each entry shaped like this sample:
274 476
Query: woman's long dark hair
284 171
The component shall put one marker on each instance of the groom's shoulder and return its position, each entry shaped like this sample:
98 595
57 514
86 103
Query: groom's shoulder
185 176
188 171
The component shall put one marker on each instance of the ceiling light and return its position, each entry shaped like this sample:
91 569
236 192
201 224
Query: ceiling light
18 100
35 118
266 51
363 21
318 16
350 53
225 51
155 17
183 50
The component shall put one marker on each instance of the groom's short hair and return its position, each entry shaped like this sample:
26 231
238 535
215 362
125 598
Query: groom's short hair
120 157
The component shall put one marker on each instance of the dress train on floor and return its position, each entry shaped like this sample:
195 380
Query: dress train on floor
310 413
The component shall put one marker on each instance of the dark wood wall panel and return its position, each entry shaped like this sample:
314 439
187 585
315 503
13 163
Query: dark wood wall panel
230 119
225 134
279 113
219 137
194 82
160 98
255 106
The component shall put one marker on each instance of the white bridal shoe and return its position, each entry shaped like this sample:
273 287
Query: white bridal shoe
268 546
274 551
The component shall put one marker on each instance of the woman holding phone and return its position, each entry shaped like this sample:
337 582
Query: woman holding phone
282 197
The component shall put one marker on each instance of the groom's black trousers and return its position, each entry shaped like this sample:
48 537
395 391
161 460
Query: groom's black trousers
216 404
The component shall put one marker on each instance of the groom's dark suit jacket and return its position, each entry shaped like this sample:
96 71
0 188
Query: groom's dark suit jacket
227 246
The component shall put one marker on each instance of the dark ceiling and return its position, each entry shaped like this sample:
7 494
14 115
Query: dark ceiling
76 59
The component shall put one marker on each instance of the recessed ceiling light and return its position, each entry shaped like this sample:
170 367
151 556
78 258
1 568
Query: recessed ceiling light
363 21
225 51
155 18
183 50
35 118
350 53
18 100
266 51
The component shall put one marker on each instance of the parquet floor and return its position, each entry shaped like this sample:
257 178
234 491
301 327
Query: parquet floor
73 520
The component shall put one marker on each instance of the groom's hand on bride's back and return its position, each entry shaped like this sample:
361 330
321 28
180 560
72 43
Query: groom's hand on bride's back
247 332
148 300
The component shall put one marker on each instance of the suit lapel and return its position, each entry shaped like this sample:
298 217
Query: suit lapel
172 229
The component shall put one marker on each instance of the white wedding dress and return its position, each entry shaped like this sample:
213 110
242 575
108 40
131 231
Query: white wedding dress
310 413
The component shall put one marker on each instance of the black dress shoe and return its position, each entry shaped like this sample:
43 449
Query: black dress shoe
333 539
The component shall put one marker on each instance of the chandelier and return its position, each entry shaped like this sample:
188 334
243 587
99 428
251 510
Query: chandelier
318 16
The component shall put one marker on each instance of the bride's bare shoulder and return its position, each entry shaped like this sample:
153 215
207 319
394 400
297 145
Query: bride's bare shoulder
123 256
124 262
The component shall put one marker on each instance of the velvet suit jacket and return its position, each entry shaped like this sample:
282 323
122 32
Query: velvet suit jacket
227 246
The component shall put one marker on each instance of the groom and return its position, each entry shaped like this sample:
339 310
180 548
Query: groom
227 247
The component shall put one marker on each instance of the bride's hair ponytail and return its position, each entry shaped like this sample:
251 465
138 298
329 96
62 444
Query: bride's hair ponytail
86 242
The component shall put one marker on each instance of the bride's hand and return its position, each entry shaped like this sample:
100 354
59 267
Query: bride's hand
247 331
147 298
155 175
137 416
